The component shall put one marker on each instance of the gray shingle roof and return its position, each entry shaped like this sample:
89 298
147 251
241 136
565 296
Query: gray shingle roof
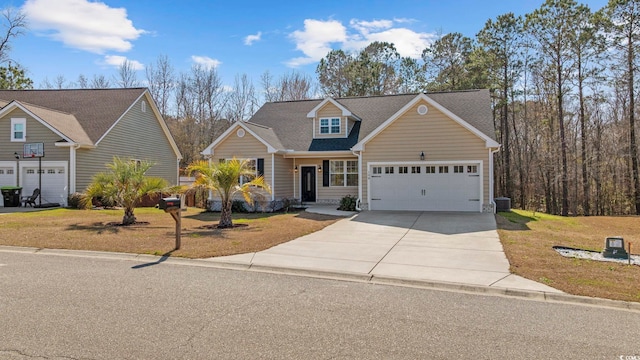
95 110
293 129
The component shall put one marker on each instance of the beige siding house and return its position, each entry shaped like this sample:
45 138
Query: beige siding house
426 152
80 130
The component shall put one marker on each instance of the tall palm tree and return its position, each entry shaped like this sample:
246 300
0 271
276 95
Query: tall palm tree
224 179
124 185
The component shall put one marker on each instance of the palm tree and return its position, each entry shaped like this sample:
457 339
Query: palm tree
224 179
124 185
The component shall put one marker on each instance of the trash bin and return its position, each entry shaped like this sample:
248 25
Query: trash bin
11 195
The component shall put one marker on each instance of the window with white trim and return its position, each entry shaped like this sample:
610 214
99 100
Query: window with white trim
443 169
458 169
415 169
403 169
31 171
430 170
472 169
18 129
344 172
143 106
51 171
1 172
9 171
388 169
330 126
376 170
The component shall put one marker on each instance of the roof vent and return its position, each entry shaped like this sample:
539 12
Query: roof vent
422 109
240 133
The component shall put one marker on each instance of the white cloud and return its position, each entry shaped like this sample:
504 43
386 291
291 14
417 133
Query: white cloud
317 37
117 61
315 40
250 39
206 61
82 24
364 27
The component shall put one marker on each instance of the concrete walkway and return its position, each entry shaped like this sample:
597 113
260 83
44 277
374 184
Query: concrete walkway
459 248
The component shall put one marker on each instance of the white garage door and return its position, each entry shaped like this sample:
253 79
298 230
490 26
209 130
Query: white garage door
54 181
437 187
7 176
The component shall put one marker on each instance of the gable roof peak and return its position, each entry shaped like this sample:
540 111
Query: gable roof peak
329 99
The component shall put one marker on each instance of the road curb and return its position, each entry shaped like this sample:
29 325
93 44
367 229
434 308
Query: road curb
335 275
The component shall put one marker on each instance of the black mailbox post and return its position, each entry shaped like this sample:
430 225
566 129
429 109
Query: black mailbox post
172 206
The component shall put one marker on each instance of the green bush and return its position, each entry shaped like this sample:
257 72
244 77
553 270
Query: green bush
238 206
348 203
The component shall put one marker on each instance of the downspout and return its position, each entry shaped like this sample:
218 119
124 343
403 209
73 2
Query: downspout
273 178
73 173
358 201
491 200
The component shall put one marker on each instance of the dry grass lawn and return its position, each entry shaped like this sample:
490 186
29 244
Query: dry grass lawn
91 230
528 239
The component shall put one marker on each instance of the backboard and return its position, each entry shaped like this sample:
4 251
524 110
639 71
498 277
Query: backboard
33 150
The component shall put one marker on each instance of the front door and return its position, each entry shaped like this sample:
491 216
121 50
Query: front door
308 185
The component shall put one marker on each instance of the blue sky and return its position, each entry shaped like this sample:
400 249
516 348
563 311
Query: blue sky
73 37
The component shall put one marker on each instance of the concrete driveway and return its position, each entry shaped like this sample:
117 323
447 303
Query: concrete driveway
444 247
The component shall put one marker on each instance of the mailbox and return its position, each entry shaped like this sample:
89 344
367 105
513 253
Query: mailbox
167 204
614 248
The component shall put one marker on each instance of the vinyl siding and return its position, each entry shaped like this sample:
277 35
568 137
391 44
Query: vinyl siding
283 185
330 111
441 139
247 147
137 135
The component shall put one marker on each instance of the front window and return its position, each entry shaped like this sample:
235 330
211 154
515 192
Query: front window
18 129
253 168
330 126
344 173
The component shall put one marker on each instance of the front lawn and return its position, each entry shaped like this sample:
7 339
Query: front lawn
528 239
92 230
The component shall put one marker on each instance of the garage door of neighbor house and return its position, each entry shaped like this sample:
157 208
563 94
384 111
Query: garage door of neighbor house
430 187
54 181
7 174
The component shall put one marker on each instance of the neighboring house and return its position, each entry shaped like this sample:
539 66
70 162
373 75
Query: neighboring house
82 130
431 152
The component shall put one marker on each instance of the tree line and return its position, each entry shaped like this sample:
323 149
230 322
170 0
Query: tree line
563 80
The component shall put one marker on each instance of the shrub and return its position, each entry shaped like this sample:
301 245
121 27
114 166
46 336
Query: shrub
348 203
74 200
238 206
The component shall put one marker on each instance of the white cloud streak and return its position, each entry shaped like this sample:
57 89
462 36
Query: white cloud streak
250 39
319 37
117 61
206 61
82 24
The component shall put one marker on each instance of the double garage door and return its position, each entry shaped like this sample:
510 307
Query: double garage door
426 187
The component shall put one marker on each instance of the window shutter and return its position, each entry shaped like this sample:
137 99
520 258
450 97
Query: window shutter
260 167
325 173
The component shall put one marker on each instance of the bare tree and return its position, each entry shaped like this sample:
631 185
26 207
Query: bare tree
82 82
242 100
14 23
100 82
127 75
161 80
289 87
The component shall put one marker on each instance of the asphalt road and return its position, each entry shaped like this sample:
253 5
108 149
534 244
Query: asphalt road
58 307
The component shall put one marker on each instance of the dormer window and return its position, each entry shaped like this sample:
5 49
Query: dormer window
330 126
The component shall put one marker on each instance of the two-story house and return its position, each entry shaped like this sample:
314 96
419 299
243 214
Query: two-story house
428 152
79 131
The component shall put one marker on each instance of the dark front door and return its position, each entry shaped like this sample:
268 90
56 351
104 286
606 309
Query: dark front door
308 186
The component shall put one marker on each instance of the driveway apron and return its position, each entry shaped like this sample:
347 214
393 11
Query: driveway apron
430 246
